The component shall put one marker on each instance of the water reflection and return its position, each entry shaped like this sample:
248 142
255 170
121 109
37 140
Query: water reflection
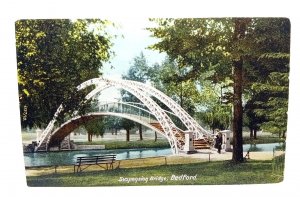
254 148
260 147
69 157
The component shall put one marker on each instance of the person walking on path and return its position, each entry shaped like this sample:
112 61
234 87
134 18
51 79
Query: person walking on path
219 140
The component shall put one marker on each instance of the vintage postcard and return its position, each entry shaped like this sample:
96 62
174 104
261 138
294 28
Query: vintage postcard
153 101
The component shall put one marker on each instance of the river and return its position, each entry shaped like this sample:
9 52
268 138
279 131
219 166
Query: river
69 157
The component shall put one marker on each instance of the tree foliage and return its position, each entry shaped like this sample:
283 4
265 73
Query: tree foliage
252 53
198 45
137 72
95 127
165 76
268 73
127 125
54 56
213 109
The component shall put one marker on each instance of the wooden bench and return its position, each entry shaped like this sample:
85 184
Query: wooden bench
99 160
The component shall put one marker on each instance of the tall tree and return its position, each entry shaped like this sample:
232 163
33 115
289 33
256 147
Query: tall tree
95 127
270 71
137 72
216 49
252 120
127 125
55 56
166 78
203 47
113 123
215 108
240 28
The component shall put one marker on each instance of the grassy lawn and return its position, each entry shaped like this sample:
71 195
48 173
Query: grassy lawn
130 144
165 144
203 173
262 140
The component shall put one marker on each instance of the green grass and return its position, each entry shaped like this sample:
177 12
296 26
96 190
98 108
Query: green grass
26 136
164 143
262 140
207 173
130 144
278 164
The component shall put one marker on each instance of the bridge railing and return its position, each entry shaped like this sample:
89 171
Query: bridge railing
44 138
126 108
137 110
145 112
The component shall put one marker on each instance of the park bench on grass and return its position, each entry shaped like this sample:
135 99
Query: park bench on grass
99 160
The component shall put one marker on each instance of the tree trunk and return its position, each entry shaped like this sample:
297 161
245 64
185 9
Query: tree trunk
181 95
255 134
140 132
127 135
251 133
283 134
155 136
237 63
90 138
237 154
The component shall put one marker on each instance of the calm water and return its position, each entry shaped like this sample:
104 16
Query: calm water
260 147
69 157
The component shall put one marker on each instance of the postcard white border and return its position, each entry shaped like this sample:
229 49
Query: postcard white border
12 178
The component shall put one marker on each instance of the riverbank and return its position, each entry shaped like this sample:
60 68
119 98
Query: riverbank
267 139
195 172
118 141
161 143
182 158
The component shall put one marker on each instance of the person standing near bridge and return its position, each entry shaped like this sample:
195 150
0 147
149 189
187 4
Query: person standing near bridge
219 140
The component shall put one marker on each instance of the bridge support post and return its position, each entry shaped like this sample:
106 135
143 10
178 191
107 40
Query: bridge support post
188 145
226 140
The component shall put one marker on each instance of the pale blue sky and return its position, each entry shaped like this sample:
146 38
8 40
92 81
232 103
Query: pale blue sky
135 40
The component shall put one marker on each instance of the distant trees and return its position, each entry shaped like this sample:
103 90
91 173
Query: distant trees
268 74
54 56
137 72
127 125
167 77
114 124
95 127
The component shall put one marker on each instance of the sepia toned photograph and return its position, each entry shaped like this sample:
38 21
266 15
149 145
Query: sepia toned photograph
153 101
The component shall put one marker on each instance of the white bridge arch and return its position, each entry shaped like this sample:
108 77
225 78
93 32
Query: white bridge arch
59 133
143 92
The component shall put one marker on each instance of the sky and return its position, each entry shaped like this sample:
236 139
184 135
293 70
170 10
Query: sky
132 39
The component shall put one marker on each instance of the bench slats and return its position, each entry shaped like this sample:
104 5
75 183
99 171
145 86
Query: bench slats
94 160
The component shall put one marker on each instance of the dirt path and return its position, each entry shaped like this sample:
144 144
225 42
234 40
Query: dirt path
214 156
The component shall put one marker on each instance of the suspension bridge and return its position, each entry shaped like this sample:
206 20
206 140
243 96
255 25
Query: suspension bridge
189 137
